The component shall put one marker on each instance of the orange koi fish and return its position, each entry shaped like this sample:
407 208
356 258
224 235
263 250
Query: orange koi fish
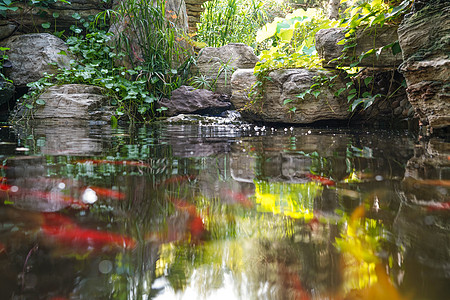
195 224
322 180
108 193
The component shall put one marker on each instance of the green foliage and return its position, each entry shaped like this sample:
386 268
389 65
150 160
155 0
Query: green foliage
6 5
292 40
152 41
292 45
205 82
148 45
362 16
3 58
233 21
95 66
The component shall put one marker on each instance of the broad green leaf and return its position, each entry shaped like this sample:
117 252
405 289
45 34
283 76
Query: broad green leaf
55 15
356 103
286 35
342 42
268 31
286 101
396 48
76 16
46 25
40 102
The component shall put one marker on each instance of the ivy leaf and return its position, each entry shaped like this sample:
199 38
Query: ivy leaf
316 93
350 97
396 48
339 92
356 103
368 80
302 95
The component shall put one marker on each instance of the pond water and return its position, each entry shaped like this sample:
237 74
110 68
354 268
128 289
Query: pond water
223 212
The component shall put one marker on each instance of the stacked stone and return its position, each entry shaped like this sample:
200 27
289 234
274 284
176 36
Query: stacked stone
394 108
194 10
425 43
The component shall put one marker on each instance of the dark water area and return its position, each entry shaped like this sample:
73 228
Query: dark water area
222 212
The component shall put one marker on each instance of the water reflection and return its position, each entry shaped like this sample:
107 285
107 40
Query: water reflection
243 212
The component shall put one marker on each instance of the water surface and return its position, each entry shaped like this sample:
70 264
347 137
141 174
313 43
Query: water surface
223 212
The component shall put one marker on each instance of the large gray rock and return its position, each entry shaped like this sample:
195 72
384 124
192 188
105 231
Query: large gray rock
30 18
424 39
286 85
329 50
71 101
187 99
6 29
31 56
218 64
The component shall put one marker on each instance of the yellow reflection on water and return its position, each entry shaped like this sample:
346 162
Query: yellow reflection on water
295 200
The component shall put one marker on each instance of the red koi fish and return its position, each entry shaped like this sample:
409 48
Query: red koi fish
2 248
195 224
17 194
314 224
70 234
322 180
5 187
435 206
113 162
292 281
237 197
